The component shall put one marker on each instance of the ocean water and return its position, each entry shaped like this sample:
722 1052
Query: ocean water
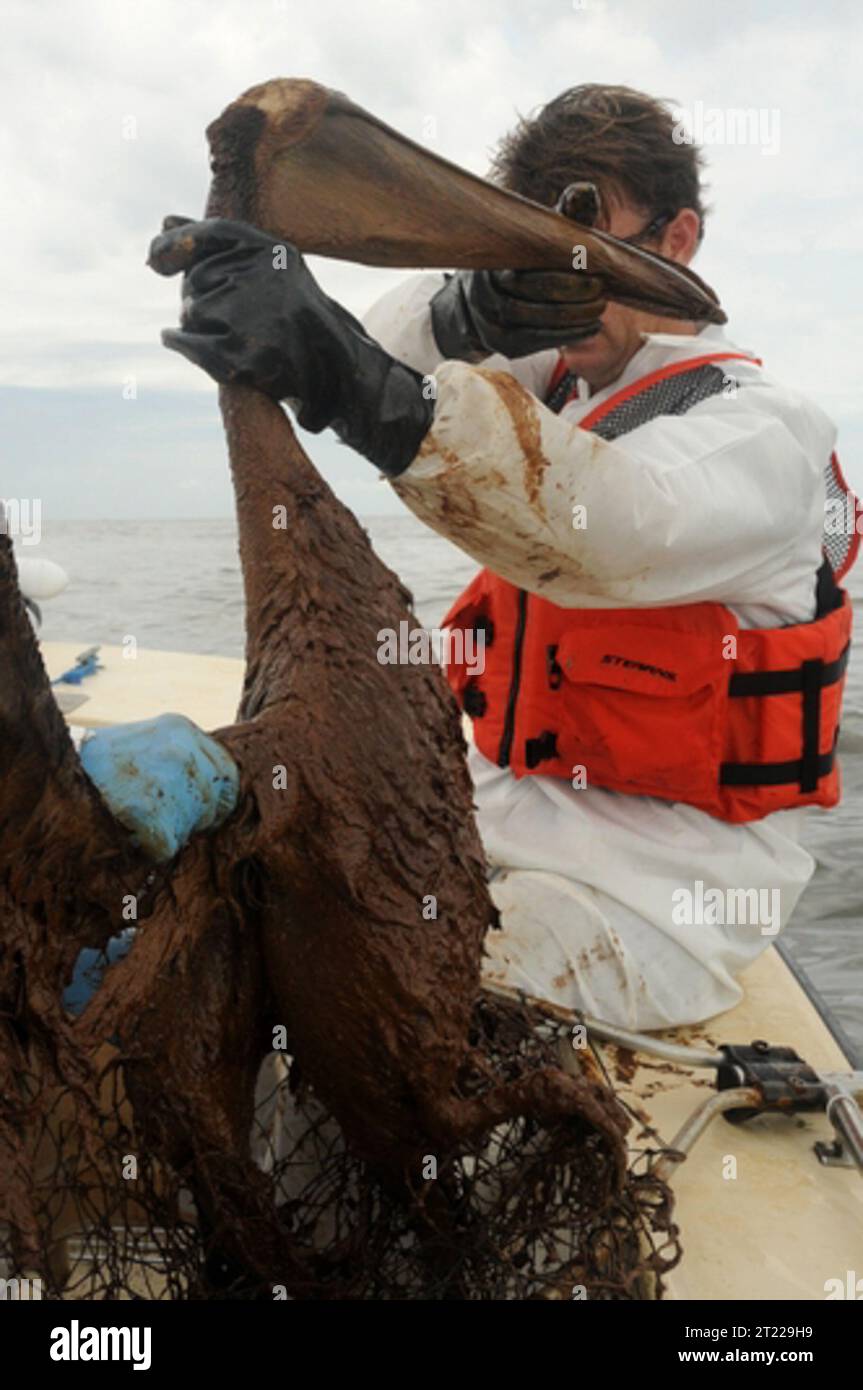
177 586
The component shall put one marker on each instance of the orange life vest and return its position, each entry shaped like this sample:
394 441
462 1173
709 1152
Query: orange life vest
676 702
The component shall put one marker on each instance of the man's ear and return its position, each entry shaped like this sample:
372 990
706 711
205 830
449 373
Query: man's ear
680 237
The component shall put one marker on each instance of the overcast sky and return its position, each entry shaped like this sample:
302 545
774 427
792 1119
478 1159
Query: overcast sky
105 104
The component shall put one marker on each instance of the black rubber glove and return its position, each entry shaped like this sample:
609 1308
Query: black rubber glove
254 314
517 312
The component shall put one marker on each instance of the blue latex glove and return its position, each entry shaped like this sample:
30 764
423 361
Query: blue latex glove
90 968
164 779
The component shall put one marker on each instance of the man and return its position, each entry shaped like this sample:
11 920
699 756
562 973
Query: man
646 502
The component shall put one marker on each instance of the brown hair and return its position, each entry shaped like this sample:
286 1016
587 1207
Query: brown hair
615 137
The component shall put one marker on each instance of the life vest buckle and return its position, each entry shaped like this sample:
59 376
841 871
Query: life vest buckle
474 702
541 749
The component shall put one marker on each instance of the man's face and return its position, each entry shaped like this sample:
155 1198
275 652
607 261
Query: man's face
600 360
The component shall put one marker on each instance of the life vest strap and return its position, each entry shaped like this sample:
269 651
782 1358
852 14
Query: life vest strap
811 672
809 679
746 683
775 774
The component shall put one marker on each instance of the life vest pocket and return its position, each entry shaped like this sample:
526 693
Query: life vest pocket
642 714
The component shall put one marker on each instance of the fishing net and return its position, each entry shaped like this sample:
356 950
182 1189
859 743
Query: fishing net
526 1212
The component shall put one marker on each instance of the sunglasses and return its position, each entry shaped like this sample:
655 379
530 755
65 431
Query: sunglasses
650 231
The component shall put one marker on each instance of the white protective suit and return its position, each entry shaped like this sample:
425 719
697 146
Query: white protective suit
724 503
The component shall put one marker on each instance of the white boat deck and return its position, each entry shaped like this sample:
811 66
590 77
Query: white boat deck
206 688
